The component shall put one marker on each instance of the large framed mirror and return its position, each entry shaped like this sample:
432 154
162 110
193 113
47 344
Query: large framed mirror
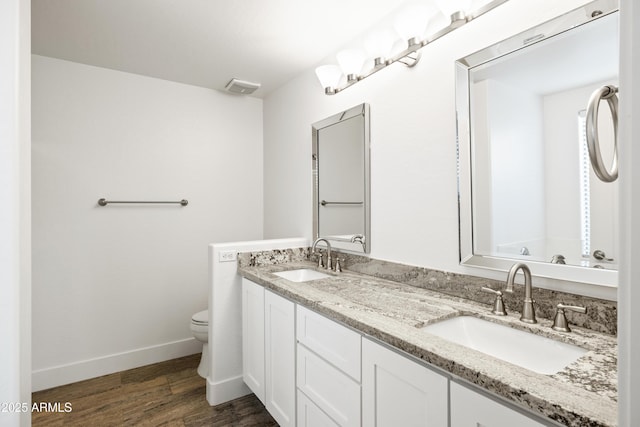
527 191
341 188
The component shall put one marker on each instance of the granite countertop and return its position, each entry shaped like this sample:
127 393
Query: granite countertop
583 394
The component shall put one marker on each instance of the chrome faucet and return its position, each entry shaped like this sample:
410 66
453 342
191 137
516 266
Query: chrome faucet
528 313
313 250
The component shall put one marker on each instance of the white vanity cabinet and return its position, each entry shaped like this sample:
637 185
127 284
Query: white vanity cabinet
310 371
472 409
268 354
396 391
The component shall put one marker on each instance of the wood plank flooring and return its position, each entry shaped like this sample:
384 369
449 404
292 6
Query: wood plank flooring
164 394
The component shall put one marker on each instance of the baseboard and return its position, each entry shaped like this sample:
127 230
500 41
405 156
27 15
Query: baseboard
226 390
55 376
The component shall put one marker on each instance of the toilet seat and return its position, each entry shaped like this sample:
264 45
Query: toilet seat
201 318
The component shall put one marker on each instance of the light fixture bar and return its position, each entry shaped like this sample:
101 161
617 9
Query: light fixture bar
457 20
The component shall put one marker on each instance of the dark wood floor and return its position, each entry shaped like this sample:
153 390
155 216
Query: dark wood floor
164 394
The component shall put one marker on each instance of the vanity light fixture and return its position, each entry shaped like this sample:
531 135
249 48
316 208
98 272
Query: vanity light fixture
410 24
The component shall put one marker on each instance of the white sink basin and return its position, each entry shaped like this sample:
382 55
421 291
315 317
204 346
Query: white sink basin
530 351
302 275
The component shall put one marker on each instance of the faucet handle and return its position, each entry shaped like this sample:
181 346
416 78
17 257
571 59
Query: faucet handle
339 264
498 304
319 254
560 322
329 262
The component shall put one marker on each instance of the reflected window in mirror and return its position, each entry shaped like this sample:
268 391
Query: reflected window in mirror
585 187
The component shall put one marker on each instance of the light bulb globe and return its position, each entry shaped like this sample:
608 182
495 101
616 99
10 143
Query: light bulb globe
351 62
329 76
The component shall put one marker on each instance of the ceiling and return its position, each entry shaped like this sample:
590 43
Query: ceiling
203 42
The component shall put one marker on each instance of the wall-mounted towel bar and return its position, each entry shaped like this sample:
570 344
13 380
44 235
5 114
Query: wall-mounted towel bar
607 93
325 203
104 202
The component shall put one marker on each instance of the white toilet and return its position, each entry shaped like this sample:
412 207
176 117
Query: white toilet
200 330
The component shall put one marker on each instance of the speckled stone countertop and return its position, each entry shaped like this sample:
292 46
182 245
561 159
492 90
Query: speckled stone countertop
583 394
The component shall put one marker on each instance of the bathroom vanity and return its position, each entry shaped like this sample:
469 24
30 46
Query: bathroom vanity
414 349
351 349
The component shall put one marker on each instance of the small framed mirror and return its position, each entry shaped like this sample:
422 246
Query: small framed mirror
527 192
341 184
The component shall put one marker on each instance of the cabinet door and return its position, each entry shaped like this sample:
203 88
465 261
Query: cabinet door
471 409
397 391
253 337
280 352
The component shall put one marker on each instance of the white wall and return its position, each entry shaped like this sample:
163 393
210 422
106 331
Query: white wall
517 169
115 287
15 218
413 144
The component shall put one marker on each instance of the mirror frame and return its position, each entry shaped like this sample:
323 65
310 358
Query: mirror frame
463 67
364 110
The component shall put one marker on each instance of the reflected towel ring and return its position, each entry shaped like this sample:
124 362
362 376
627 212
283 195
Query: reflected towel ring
609 94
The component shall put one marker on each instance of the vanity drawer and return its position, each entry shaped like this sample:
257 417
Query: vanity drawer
331 390
337 344
309 415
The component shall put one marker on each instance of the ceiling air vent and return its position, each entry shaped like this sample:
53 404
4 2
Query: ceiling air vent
241 87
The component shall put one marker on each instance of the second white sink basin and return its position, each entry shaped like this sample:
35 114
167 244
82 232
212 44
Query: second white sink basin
302 275
530 351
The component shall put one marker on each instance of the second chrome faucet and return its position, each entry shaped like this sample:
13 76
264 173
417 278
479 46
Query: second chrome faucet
528 312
